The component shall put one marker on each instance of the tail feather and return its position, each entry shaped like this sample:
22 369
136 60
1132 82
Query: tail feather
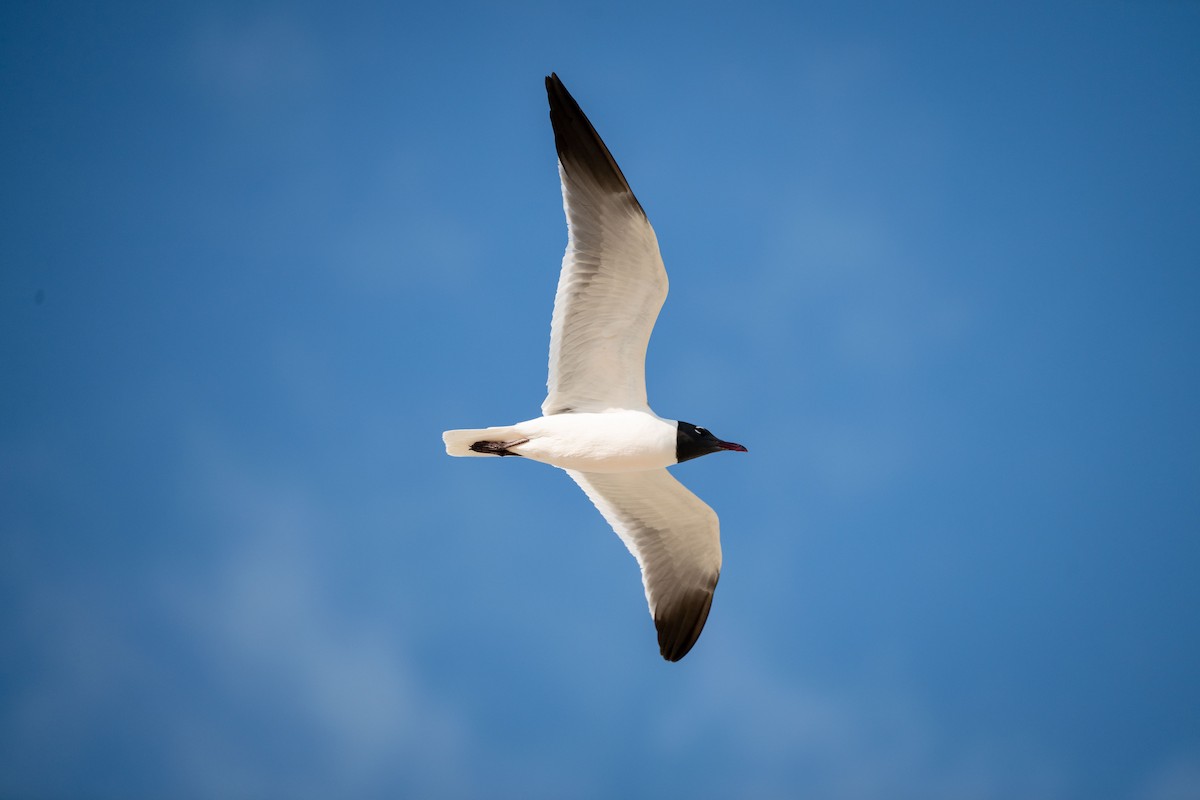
458 443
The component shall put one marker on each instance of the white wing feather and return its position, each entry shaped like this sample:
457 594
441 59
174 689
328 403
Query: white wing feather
613 282
676 540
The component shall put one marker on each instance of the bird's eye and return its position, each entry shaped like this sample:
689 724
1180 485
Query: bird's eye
701 430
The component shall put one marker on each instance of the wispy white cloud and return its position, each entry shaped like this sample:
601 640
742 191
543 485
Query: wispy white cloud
395 241
271 628
234 669
253 55
863 738
1176 778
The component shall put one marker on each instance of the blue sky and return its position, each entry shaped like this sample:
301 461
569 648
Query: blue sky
936 265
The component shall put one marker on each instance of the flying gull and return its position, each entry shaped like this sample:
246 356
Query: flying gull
596 423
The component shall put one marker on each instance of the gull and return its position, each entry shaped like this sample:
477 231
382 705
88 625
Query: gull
596 423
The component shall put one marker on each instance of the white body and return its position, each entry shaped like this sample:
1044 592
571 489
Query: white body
606 441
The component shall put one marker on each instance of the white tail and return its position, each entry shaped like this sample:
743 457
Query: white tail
458 443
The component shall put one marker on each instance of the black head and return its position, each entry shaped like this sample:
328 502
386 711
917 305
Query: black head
693 442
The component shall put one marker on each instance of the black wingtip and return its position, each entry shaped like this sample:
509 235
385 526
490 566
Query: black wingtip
581 151
680 624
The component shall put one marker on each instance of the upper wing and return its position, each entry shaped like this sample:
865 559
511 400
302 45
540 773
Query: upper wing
676 540
612 283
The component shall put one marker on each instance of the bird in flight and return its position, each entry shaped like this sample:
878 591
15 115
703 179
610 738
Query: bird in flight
596 423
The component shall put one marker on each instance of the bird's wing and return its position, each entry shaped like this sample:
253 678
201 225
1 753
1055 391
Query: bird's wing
676 540
612 283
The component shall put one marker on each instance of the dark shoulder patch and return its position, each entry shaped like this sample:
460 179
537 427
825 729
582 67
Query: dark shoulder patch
680 622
